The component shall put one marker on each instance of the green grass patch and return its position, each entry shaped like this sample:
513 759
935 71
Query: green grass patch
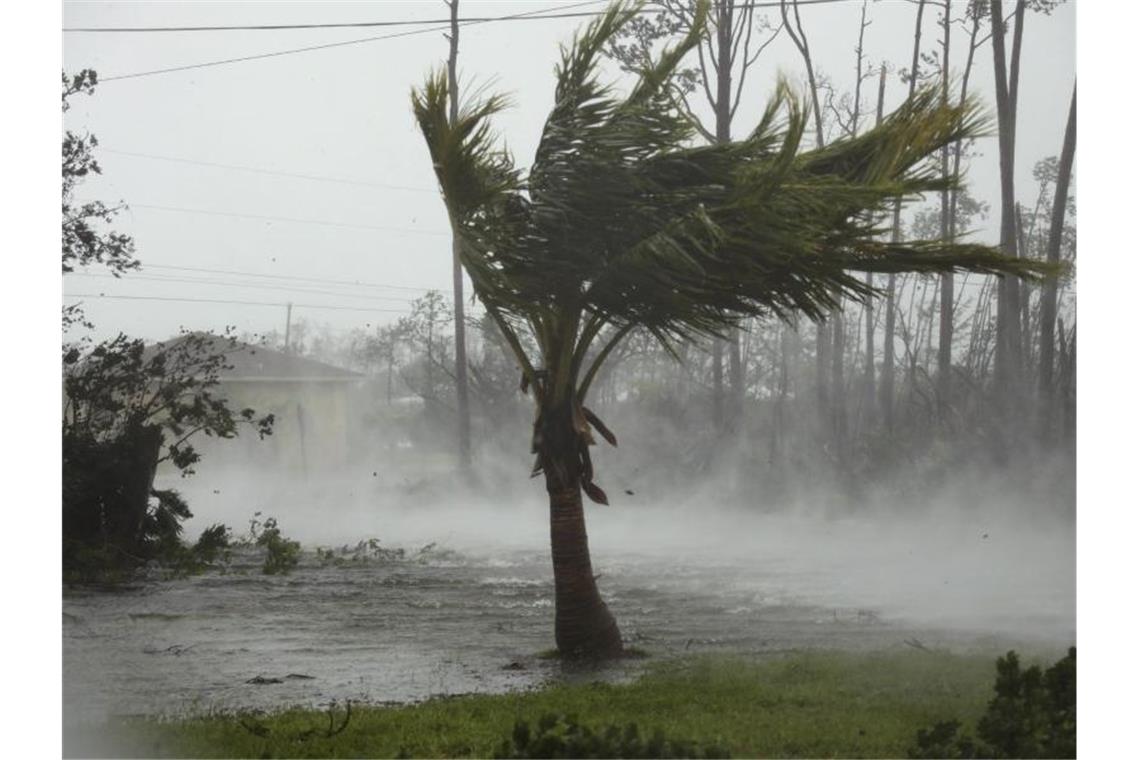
800 705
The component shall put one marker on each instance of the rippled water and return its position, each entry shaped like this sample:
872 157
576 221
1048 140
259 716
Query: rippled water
474 615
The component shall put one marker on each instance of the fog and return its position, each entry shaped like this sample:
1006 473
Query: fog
993 552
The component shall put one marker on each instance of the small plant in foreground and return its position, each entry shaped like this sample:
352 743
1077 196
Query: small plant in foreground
1031 715
561 736
281 554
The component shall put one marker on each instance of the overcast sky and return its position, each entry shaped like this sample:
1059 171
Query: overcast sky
343 113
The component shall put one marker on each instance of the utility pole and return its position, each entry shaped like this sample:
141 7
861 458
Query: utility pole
462 407
288 321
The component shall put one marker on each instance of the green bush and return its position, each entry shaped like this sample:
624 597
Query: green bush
561 736
281 554
1032 714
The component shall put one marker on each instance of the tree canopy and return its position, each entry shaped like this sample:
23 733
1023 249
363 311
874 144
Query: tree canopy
621 220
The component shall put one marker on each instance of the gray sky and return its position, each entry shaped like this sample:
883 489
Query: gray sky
344 113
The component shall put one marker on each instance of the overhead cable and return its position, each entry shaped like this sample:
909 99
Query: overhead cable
241 303
326 46
534 16
529 16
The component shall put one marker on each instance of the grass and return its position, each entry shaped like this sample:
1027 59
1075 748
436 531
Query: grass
798 705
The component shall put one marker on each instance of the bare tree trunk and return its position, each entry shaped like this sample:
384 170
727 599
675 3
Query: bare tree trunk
838 396
887 386
838 329
946 310
785 345
868 308
390 362
724 44
1053 255
1007 360
1068 369
728 34
718 384
951 215
462 407
823 340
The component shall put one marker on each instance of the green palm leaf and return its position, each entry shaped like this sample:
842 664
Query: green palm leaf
622 221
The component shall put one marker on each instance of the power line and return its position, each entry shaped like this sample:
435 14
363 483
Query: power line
296 175
535 16
260 217
259 286
326 46
287 277
241 303
529 16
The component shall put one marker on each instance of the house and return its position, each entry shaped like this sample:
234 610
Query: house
310 402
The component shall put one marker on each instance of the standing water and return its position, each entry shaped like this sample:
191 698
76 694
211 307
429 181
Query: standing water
453 600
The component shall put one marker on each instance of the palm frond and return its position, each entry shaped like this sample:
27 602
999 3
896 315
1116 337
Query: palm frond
622 221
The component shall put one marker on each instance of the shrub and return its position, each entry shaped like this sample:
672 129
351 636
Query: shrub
128 408
281 554
1031 715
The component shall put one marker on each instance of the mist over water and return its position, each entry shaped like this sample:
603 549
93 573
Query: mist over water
469 606
994 552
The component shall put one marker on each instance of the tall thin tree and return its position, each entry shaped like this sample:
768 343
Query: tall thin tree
887 383
793 24
1007 359
868 308
1045 388
946 306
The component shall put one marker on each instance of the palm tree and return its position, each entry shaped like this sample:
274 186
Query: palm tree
622 224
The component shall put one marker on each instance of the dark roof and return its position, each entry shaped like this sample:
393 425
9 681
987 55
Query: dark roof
260 363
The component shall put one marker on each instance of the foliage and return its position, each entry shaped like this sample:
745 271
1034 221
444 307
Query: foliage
84 240
811 704
281 554
127 409
557 735
362 553
121 385
105 540
431 376
1031 715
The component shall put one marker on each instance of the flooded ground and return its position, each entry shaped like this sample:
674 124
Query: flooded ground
468 606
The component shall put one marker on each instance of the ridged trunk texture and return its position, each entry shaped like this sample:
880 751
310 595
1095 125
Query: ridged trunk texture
583 624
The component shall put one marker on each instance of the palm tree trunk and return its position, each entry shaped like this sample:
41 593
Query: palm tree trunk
583 625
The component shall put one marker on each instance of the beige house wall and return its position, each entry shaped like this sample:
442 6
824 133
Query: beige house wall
310 430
